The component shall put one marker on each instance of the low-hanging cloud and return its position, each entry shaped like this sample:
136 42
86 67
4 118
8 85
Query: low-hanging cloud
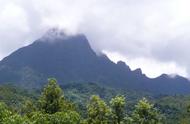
141 31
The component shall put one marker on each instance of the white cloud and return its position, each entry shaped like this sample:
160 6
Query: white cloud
12 20
149 66
154 32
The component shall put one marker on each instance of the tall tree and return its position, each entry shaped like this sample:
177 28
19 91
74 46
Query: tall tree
98 111
52 98
118 108
145 113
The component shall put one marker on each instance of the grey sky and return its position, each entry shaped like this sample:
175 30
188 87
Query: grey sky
150 34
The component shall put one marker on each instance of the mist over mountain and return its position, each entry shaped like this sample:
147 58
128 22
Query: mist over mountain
70 58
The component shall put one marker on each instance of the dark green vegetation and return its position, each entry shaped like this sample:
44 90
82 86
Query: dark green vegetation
70 59
89 103
52 107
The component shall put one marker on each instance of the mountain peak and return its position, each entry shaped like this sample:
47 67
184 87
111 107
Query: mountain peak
54 33
123 65
58 34
138 71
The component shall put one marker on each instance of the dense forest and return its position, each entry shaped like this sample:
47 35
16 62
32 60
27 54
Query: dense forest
89 104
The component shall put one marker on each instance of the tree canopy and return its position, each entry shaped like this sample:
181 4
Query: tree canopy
53 108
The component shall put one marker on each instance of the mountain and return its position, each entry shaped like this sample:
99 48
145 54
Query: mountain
71 59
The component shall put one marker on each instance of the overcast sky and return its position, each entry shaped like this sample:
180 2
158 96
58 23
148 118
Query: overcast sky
153 35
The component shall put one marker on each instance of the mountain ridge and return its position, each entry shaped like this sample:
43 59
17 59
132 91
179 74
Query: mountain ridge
71 59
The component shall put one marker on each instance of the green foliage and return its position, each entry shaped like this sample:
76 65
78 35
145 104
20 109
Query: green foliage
174 108
14 96
69 117
8 117
98 111
79 93
4 112
28 108
52 97
118 108
145 113
53 108
40 118
16 119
